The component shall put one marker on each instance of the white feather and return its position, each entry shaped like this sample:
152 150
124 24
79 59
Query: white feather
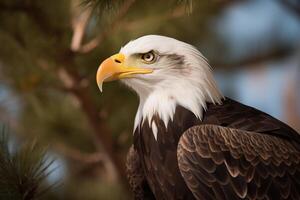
154 130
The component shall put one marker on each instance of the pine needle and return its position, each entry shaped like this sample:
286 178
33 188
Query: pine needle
108 5
22 173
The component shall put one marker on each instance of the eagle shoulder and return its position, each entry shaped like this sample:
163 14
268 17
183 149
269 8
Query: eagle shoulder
225 163
233 114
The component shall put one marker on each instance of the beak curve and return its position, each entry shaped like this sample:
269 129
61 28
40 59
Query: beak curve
113 68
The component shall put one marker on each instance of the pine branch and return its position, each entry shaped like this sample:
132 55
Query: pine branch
187 3
107 5
95 42
99 5
79 24
23 172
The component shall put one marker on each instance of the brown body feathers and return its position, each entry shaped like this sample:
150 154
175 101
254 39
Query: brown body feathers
234 152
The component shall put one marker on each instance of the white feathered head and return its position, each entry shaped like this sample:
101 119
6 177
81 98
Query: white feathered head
164 72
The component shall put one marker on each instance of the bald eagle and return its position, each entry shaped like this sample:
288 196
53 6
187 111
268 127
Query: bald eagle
191 142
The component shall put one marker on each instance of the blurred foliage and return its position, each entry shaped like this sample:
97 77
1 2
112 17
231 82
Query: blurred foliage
93 190
23 170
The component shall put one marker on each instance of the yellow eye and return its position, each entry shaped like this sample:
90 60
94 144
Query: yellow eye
149 57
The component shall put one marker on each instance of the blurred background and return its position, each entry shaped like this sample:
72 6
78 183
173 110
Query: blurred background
50 52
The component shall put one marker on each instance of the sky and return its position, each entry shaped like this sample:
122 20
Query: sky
251 27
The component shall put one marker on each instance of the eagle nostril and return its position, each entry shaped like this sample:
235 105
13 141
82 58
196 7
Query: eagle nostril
117 61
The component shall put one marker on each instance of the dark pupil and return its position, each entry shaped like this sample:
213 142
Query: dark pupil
148 56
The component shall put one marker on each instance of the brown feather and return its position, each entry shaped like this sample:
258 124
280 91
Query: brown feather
136 178
254 181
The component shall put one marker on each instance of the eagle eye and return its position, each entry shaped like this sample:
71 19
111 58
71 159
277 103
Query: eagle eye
149 57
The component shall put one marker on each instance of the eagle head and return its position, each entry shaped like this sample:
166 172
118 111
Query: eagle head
164 72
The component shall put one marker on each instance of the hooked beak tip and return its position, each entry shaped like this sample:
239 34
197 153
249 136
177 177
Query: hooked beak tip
100 87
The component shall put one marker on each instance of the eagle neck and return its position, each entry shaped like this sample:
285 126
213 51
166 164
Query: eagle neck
165 97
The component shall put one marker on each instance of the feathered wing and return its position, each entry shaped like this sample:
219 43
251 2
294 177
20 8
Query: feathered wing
224 163
136 178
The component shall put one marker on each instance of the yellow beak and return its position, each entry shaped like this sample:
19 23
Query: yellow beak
113 68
